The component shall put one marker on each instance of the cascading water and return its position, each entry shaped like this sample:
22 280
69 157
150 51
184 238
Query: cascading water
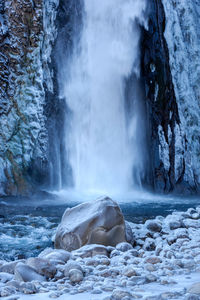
101 141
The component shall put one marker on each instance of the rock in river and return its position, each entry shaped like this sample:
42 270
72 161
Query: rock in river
98 222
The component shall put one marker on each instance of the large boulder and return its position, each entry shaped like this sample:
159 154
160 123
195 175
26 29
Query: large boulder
97 222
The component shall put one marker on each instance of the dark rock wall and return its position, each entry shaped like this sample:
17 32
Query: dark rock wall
161 102
171 160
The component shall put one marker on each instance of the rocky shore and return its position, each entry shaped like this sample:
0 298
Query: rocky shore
160 261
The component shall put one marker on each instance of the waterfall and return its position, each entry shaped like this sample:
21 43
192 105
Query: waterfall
104 129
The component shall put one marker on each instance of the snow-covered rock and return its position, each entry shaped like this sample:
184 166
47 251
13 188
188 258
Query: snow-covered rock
90 251
71 265
42 266
26 273
75 276
195 289
97 222
55 255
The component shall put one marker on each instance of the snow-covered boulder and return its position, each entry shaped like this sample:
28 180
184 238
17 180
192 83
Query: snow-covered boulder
90 251
42 266
26 273
55 256
97 222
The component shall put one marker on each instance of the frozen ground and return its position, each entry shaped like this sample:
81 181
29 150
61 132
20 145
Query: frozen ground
163 263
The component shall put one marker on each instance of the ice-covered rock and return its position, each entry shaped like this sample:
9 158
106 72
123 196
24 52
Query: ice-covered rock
55 255
42 266
4 277
71 265
10 266
194 289
26 273
75 275
25 77
153 225
97 222
121 294
129 272
129 233
90 251
123 247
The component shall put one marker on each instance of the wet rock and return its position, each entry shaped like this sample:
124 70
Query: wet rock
98 222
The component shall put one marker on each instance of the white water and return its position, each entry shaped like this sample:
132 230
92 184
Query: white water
102 140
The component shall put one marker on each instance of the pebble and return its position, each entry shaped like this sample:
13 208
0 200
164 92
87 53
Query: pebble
120 294
75 275
129 272
54 295
168 249
123 247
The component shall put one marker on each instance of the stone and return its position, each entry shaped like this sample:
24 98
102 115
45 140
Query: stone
10 267
97 222
129 272
123 247
192 297
129 234
5 277
28 288
14 283
150 278
42 266
194 289
191 223
7 291
149 245
153 260
120 294
174 225
75 275
55 255
26 273
90 251
153 226
72 265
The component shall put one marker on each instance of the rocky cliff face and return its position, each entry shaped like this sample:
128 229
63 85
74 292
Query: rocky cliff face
26 34
170 63
33 38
